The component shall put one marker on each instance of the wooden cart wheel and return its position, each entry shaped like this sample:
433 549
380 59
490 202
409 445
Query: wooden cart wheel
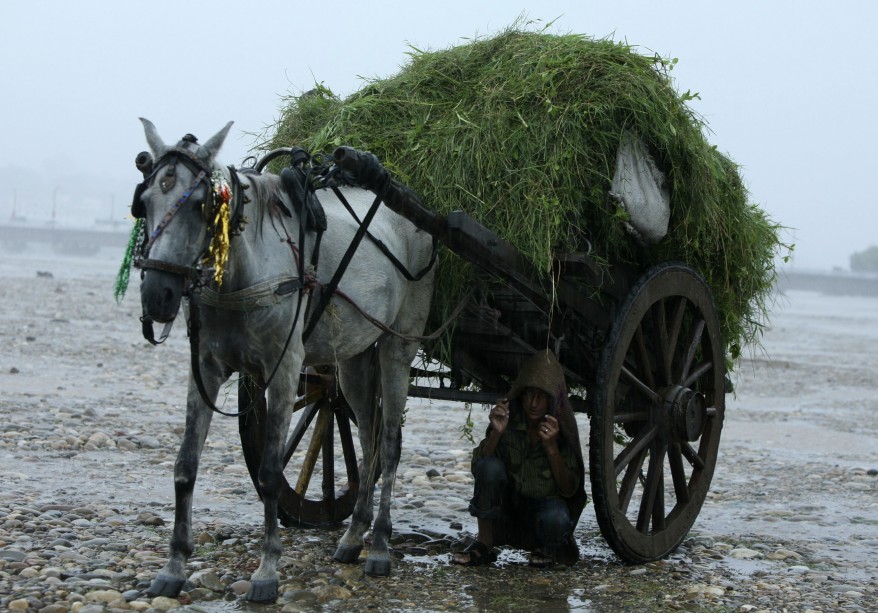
658 414
312 492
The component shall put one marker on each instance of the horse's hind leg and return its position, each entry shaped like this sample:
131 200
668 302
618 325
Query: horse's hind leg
172 577
357 378
281 396
395 358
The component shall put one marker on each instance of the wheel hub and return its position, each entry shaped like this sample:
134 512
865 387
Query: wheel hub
687 410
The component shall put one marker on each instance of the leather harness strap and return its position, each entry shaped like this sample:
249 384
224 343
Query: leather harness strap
177 269
385 249
331 287
266 293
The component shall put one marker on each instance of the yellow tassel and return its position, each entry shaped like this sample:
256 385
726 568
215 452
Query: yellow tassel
218 252
219 246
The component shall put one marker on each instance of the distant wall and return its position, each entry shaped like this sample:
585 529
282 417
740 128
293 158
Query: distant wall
69 241
829 283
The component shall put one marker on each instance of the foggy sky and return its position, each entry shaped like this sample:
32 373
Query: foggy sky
788 89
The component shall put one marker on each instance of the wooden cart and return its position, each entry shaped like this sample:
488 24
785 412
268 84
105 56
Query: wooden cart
642 346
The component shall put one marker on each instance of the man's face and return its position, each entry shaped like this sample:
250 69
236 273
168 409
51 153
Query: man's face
535 402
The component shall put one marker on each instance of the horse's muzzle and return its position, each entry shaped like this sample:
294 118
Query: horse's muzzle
160 295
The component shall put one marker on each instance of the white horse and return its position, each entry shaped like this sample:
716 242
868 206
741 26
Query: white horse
181 199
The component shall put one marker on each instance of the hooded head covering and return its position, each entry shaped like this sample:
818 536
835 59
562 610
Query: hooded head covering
543 371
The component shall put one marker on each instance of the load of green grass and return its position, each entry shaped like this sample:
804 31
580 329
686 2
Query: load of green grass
521 130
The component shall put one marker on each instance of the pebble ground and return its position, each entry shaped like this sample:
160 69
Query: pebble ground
90 420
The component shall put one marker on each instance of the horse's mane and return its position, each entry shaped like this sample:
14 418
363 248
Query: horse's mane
266 193
266 196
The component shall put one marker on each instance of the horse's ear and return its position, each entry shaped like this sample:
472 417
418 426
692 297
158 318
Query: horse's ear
216 141
153 139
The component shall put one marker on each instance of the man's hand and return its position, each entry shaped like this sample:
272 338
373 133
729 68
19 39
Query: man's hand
549 431
499 416
566 480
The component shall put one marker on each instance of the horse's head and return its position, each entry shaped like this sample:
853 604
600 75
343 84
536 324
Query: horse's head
176 200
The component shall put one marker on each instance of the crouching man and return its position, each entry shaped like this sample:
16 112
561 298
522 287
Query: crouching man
528 471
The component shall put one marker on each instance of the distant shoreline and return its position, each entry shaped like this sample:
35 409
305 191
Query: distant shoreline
839 283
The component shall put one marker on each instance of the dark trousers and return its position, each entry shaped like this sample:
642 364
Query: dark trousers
526 523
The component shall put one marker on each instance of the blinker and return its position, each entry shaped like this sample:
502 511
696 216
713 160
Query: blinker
144 163
138 210
167 182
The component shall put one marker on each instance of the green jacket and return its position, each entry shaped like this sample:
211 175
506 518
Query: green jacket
528 465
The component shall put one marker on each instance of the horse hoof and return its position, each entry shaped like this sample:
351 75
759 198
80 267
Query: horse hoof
165 585
377 568
347 554
262 590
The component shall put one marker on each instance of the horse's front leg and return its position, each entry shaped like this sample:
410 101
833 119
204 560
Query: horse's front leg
171 578
281 397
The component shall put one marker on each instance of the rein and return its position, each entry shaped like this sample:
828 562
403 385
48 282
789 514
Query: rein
195 358
412 337
285 286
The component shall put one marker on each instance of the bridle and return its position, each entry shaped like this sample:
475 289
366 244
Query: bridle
168 161
145 263
164 169
194 274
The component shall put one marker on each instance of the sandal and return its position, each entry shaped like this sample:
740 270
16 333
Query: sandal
479 555
540 559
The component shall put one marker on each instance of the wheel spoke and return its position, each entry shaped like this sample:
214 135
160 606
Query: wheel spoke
654 475
678 473
626 487
697 373
637 444
692 342
328 436
299 431
677 322
658 508
312 396
323 419
347 446
631 416
690 454
665 351
643 358
639 385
